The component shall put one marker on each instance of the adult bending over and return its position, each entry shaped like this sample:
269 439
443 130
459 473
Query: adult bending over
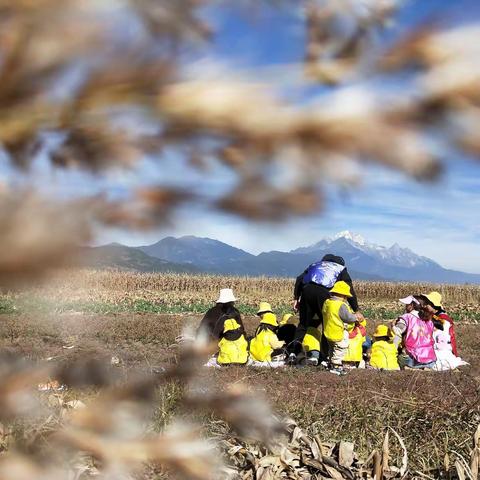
311 290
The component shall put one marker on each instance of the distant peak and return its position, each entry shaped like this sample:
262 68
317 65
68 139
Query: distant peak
353 237
397 248
198 239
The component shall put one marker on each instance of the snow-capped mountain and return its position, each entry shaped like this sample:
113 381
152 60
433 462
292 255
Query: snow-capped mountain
364 260
394 255
352 237
392 263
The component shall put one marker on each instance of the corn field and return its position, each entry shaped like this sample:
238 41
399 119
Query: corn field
183 291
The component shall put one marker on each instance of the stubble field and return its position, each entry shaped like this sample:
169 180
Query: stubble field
134 319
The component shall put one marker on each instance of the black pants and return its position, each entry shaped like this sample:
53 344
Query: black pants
310 311
287 333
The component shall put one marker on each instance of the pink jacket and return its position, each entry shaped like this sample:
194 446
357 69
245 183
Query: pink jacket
419 339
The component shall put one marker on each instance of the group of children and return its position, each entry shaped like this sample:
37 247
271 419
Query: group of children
423 337
264 348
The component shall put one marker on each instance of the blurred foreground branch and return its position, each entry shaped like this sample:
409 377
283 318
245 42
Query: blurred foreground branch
108 80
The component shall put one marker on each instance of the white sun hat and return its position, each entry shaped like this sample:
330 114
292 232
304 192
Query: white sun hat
226 296
408 300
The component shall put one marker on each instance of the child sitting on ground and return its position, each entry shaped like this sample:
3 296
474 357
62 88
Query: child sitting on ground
444 346
311 345
265 344
339 320
384 353
356 339
233 346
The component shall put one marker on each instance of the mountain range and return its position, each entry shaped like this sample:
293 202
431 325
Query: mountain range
192 254
122 257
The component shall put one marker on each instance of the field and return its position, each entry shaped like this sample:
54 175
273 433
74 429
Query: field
116 292
135 319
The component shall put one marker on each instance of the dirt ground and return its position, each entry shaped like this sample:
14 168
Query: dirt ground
143 339
145 342
426 408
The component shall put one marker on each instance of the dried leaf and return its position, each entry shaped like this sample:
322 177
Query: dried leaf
446 462
290 459
460 470
346 455
334 473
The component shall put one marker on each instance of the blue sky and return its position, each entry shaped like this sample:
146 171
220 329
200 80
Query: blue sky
440 221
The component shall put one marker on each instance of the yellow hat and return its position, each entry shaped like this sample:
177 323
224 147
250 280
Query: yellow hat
286 318
269 318
382 331
230 324
434 298
264 307
342 288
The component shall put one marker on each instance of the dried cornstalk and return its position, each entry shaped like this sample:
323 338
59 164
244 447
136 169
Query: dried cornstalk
385 454
475 456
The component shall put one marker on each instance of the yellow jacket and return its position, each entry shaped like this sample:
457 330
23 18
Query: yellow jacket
355 343
334 326
384 355
233 347
233 351
263 344
311 340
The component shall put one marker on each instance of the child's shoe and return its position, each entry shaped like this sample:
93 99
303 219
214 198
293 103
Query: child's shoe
313 358
338 371
292 359
311 362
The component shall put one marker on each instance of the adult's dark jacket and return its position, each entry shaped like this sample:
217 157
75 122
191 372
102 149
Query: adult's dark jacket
213 321
343 276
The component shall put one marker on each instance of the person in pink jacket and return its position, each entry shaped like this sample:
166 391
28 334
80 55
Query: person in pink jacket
416 328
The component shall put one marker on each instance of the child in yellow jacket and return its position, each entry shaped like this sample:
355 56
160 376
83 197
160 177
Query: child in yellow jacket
233 346
265 343
384 353
356 339
339 320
